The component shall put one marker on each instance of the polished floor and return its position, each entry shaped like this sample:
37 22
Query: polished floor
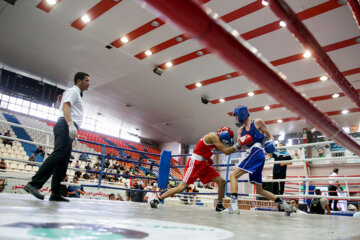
23 217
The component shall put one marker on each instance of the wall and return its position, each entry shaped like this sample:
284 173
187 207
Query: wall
174 147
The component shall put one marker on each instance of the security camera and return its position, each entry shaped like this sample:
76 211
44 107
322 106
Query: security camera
204 100
158 70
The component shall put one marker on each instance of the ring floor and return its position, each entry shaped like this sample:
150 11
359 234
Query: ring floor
24 217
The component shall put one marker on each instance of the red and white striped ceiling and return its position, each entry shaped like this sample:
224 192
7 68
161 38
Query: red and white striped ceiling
55 41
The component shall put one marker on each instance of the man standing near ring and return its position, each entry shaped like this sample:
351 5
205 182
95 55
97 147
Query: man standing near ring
65 131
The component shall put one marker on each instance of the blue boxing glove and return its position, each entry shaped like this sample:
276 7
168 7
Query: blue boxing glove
269 146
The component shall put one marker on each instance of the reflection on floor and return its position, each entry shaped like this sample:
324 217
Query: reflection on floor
23 217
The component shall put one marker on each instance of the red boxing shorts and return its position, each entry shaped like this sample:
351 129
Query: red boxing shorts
199 169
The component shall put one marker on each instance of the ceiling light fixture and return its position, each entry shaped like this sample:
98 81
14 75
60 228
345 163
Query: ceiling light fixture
221 100
345 111
148 53
198 84
51 2
266 107
336 95
280 121
265 3
251 94
324 78
282 24
124 39
169 64
86 18
307 54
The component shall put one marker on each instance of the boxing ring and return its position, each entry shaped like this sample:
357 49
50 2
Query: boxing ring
95 217
28 217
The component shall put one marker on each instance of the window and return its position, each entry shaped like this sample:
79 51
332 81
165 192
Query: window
26 103
12 100
19 101
11 106
33 105
4 104
17 108
5 98
25 110
39 107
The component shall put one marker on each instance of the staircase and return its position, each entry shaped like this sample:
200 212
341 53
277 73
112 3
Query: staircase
22 134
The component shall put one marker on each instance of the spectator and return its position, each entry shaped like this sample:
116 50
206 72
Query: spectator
78 174
321 152
332 188
136 196
112 197
279 170
3 164
82 156
31 158
295 203
7 141
75 191
319 205
77 165
63 189
144 149
58 101
40 151
88 167
152 165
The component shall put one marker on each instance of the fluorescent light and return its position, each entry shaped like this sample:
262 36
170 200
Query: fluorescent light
345 111
265 3
251 94
169 64
266 107
324 78
282 136
148 53
346 129
280 121
290 142
282 24
198 84
307 54
51 2
336 95
124 39
86 18
221 100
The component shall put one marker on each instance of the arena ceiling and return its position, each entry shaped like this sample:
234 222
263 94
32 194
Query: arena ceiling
53 42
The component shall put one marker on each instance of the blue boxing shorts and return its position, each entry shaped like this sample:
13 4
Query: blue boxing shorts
254 164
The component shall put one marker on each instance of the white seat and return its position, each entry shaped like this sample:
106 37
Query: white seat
13 166
21 167
29 168
35 168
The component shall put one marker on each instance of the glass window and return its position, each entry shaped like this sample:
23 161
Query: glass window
43 115
46 109
5 98
17 108
39 107
4 104
33 105
25 110
57 112
32 112
52 110
19 101
0 95
12 100
11 106
26 103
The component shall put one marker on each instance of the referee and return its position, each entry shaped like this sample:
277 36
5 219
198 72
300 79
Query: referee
279 170
65 131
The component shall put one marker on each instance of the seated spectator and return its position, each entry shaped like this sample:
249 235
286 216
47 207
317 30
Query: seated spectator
31 158
3 164
86 157
77 165
112 197
7 141
78 174
319 205
82 156
136 196
75 191
39 151
295 203
63 189
351 207
144 149
88 167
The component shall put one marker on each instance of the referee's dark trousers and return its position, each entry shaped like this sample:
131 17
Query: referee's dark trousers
57 163
333 192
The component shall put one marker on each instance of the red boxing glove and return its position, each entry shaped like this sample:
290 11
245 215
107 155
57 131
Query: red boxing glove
245 140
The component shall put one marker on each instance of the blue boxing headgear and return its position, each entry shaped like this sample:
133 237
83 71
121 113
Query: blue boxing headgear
226 135
242 113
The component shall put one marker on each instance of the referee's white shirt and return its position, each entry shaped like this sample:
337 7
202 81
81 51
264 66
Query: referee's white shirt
72 95
332 182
